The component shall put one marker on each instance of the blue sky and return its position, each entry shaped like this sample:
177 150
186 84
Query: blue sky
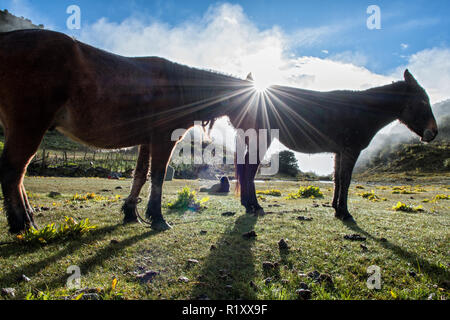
315 44
417 24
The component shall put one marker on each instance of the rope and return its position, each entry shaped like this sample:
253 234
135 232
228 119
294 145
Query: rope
140 219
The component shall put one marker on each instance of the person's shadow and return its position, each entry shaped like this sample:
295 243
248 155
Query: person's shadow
229 268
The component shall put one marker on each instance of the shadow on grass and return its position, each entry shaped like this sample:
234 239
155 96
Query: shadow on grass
433 271
229 268
219 194
14 248
30 270
87 265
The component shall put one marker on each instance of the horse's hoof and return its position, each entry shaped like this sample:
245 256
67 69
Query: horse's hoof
20 228
130 220
349 219
345 217
160 225
17 230
260 212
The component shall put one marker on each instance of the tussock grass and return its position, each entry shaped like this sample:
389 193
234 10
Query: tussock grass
68 230
187 200
371 196
400 206
269 192
310 192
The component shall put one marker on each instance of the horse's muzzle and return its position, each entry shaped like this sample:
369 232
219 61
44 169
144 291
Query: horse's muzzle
429 135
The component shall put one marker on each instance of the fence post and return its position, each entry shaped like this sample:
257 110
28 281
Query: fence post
43 161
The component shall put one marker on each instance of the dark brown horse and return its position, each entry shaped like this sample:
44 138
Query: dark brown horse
49 80
339 122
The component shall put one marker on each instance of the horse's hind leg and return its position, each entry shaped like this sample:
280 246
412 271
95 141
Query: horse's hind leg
139 179
247 173
348 160
241 170
160 157
252 200
20 147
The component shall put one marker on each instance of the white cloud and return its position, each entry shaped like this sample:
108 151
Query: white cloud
223 40
327 74
306 37
404 46
351 57
431 67
226 40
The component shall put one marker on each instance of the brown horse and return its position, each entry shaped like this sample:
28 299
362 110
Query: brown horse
49 80
339 122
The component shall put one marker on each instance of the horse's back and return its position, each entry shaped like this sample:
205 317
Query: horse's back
34 48
35 74
42 51
321 121
72 86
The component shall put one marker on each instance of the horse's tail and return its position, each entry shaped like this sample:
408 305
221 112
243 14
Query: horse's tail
239 174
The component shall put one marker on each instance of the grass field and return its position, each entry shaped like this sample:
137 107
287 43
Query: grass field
412 249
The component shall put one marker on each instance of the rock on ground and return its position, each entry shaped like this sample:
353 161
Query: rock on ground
8 292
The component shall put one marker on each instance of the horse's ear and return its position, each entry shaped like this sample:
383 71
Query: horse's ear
409 78
250 77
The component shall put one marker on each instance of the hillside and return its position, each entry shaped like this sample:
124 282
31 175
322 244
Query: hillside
9 22
432 158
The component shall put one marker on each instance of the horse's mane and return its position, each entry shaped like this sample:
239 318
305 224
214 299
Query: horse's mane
184 72
202 85
397 87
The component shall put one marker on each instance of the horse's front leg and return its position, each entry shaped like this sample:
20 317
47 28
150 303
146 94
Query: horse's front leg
13 164
28 206
160 157
140 177
337 177
348 160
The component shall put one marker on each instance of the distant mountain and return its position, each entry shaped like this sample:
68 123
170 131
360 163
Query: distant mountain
9 22
441 109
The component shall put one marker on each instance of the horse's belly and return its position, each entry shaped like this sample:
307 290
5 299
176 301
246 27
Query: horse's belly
308 144
107 130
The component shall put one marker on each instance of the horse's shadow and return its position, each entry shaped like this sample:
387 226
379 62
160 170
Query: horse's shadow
14 248
433 271
101 255
229 268
30 270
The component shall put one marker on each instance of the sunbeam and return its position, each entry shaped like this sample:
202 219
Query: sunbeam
260 87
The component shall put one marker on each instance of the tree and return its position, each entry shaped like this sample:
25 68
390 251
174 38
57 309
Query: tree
288 163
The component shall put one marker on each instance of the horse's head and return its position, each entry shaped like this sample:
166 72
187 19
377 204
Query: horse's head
417 114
